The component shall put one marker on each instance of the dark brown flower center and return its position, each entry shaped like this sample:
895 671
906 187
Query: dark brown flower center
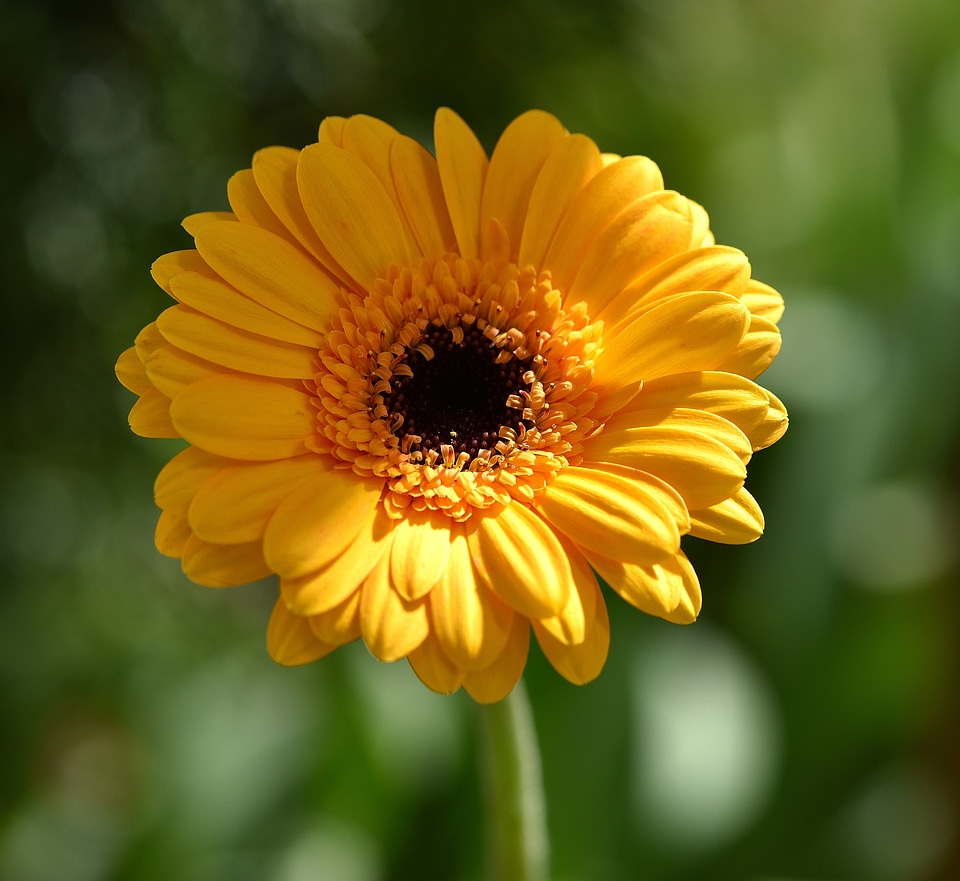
459 396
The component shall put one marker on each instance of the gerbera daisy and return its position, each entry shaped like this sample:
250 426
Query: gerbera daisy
443 398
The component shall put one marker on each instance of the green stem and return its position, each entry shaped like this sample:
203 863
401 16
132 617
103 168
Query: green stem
516 808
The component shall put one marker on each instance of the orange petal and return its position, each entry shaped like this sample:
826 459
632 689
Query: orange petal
340 624
514 167
198 221
171 369
181 478
417 181
250 207
214 297
290 639
231 347
220 565
244 417
352 213
172 533
572 162
319 591
131 373
169 266
463 168
318 521
275 172
371 140
150 416
270 271
236 504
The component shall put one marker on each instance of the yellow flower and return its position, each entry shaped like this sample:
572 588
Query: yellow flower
439 396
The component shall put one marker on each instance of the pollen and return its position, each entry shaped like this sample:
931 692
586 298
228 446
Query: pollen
468 385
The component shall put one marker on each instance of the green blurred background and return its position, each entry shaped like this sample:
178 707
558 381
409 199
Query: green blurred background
806 729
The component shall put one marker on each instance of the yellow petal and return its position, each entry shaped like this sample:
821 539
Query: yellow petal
719 268
219 565
417 181
681 334
773 426
700 235
339 625
763 301
169 266
593 209
699 421
756 351
320 591
514 167
688 608
181 478
572 162
471 625
462 163
250 207
171 369
275 172
198 221
616 511
236 504
231 347
244 417
580 662
701 469
644 234
433 668
498 680
150 416
351 212
569 627
270 271
736 398
663 589
392 626
131 373
215 298
734 521
518 557
318 521
418 557
290 639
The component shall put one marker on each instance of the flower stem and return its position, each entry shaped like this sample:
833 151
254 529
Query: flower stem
516 809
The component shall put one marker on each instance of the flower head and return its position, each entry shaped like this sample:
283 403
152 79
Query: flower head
439 397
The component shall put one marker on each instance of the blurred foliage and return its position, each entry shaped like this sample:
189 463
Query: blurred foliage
806 728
